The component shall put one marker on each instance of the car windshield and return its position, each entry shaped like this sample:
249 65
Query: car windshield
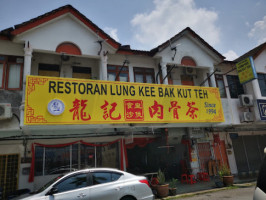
47 184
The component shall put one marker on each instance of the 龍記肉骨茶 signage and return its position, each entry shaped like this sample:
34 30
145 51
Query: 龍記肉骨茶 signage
52 100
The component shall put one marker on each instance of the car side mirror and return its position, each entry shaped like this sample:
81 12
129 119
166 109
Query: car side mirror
52 191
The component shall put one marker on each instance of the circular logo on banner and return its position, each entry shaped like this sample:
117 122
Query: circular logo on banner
56 107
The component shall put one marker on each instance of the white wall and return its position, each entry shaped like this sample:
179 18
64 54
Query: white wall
260 62
10 48
189 48
63 29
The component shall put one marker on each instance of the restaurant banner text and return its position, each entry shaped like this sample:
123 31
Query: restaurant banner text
51 100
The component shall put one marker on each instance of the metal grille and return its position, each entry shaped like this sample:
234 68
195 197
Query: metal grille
204 153
8 174
249 152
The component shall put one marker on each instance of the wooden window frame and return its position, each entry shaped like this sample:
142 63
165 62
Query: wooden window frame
222 79
81 68
117 69
49 65
4 74
20 76
144 72
261 75
236 84
7 61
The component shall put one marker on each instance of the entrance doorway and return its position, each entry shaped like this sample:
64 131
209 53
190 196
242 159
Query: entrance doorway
187 80
204 152
9 165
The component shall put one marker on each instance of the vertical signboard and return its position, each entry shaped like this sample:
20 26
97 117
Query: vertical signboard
246 70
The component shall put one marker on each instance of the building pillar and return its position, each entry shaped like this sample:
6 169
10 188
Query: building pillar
212 78
256 89
164 73
103 64
27 71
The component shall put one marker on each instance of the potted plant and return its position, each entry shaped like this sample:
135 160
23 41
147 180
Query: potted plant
172 186
226 176
162 188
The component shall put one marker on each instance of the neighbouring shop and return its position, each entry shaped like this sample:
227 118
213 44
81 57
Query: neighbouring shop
248 151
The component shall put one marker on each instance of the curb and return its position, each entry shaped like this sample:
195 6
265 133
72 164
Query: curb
235 186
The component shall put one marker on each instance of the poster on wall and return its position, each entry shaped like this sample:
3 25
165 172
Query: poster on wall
51 100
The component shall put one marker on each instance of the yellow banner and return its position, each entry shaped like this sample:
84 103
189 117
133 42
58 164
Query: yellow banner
61 101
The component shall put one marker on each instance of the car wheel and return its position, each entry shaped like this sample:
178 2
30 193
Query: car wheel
128 198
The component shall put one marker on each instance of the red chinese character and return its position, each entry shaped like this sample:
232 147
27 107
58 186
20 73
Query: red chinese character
156 109
82 113
191 110
134 110
174 106
111 110
76 105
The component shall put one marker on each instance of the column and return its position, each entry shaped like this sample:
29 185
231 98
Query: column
164 73
103 70
27 71
212 78
256 89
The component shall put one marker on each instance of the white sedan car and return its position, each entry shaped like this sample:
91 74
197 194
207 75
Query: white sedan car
96 184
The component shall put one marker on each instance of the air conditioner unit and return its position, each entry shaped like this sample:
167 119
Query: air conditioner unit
5 111
246 100
190 71
247 117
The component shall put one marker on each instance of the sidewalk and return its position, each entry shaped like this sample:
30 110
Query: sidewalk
209 186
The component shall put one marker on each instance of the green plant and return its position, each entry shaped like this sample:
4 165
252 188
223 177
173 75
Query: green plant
173 183
224 171
161 177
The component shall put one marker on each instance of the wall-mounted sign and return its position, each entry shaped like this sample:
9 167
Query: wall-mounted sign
78 101
262 108
246 70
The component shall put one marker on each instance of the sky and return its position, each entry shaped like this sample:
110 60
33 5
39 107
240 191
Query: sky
232 27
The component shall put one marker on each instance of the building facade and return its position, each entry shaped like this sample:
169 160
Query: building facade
64 46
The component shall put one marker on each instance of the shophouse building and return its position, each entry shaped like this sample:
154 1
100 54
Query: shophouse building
72 97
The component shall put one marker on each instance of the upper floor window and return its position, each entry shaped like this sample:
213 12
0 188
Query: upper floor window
220 84
81 72
117 73
144 75
68 48
262 84
49 70
11 69
188 61
187 80
234 85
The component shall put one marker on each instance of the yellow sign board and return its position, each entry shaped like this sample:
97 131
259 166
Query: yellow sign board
246 70
61 101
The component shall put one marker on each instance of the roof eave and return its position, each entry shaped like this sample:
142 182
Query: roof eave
25 26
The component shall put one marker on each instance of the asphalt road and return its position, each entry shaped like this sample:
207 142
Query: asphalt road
234 194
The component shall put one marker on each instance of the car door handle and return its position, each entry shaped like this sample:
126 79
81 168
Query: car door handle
81 195
118 188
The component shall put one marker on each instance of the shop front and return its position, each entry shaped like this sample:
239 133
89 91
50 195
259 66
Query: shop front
131 126
248 148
